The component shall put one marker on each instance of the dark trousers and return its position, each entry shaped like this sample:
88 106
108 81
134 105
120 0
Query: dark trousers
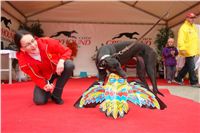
170 71
40 96
188 68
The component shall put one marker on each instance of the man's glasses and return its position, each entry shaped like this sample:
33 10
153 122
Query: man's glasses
29 43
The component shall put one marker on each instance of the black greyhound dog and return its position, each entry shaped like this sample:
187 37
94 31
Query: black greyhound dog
146 62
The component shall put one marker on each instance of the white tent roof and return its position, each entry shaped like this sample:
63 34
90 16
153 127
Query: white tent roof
108 12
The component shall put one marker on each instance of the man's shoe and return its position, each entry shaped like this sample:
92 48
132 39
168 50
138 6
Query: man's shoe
173 81
178 82
169 82
57 100
196 85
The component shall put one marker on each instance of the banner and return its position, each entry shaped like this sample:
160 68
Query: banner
88 38
8 28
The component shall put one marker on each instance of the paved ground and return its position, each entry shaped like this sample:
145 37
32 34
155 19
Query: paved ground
184 91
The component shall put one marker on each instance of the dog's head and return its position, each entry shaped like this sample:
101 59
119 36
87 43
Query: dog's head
112 65
108 62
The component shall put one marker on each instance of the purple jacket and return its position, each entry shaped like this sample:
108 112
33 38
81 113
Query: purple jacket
169 59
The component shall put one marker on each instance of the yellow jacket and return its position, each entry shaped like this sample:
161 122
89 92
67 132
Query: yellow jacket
188 39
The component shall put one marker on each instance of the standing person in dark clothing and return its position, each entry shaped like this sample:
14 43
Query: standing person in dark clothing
169 54
44 60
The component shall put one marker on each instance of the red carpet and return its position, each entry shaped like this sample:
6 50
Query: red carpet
20 115
162 82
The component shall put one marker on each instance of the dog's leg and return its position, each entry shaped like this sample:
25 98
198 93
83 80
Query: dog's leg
140 67
151 71
121 72
102 75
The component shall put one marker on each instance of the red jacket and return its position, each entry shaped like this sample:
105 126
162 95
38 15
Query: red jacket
41 71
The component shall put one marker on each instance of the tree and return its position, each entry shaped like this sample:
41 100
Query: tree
162 37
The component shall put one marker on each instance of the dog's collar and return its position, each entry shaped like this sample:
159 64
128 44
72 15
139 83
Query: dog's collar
102 58
105 56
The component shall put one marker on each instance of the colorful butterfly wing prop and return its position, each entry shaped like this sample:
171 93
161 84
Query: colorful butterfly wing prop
115 103
143 97
113 97
114 108
116 96
93 95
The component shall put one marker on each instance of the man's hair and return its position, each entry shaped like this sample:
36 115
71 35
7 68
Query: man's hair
18 36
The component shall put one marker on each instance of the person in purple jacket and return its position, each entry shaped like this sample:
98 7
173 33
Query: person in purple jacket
169 54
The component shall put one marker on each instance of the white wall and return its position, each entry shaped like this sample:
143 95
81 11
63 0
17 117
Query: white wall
88 38
6 37
175 30
91 36
6 33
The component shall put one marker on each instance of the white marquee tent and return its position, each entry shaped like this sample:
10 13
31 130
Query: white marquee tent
96 21
106 12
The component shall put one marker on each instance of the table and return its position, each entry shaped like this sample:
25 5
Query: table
11 54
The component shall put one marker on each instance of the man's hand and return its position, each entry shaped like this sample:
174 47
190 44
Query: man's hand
60 67
182 52
173 53
49 87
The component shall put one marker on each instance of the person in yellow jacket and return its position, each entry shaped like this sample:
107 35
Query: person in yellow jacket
188 46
